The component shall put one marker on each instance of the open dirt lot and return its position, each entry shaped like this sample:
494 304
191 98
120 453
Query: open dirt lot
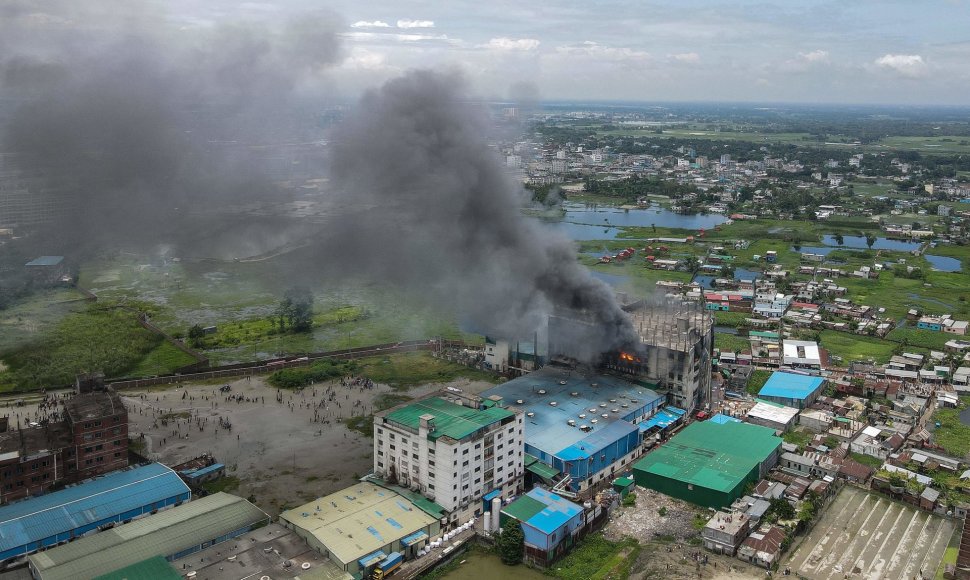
671 542
284 452
866 535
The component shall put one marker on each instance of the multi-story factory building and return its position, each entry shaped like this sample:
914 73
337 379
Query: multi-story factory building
674 354
452 448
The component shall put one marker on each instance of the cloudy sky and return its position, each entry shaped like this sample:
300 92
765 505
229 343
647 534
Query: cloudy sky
863 51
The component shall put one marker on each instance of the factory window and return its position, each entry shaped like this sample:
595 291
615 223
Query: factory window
478 481
380 453
478 469
431 464
431 451
511 430
380 431
88 461
454 499
431 486
499 468
414 456
404 440
499 448
98 434
101 459
510 463
116 430
117 454
118 443
99 447
392 435
97 423
464 463
464 451
393 448
464 487
88 449
380 442
380 464
478 446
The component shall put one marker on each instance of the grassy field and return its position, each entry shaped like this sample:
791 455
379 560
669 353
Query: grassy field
29 318
922 338
852 347
952 434
732 319
406 370
99 338
597 558
731 342
162 359
758 380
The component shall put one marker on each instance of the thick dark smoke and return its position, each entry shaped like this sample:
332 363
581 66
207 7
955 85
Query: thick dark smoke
142 125
439 215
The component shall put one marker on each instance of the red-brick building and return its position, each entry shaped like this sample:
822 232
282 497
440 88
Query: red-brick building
90 438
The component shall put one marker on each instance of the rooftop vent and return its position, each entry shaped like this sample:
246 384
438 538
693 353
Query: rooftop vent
602 404
614 410
593 421
542 391
605 415
530 415
571 423
553 403
519 401
612 400
582 415
574 394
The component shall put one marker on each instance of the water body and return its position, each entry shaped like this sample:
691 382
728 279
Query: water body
582 224
944 263
490 567
859 242
739 274
577 212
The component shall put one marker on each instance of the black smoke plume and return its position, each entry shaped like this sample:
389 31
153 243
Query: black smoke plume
436 213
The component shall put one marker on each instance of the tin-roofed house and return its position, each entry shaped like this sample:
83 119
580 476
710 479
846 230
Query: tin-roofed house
548 524
792 390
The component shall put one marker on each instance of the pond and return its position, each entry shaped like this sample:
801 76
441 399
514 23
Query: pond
490 567
944 264
739 274
859 242
583 223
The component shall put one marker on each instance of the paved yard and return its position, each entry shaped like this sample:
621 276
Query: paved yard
866 535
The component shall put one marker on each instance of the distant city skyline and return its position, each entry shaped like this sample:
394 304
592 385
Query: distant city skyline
892 52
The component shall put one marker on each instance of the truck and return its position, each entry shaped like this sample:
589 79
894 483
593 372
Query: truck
388 565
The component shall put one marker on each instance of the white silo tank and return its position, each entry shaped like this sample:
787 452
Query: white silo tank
496 510
487 523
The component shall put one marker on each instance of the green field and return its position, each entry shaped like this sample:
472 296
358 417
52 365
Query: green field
731 343
163 359
952 434
101 337
852 347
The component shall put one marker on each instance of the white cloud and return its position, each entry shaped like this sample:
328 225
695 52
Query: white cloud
415 23
604 52
381 37
907 65
373 24
363 59
687 57
814 56
504 43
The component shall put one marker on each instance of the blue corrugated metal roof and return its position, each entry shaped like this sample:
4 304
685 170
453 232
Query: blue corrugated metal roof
790 386
203 471
414 538
39 518
46 261
663 419
558 511
372 558
590 445
721 419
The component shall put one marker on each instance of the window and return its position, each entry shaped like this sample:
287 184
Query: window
464 451
431 486
478 446
431 464
117 454
393 448
380 454
101 459
414 456
464 463
380 464
431 451
478 469
380 431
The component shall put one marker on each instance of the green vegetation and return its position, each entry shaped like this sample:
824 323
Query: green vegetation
757 380
733 319
225 483
511 543
364 424
919 338
251 331
102 337
298 377
415 368
856 347
799 438
731 342
869 460
163 359
952 434
597 558
630 500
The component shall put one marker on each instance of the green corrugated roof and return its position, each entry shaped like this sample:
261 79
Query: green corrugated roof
763 333
163 534
533 465
711 455
450 420
523 508
156 568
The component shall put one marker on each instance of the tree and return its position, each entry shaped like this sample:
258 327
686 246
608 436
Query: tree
195 335
301 309
839 239
780 509
692 264
511 543
870 240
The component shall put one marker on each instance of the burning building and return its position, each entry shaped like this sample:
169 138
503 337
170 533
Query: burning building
672 354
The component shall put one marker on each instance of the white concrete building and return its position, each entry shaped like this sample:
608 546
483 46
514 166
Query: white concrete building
452 448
